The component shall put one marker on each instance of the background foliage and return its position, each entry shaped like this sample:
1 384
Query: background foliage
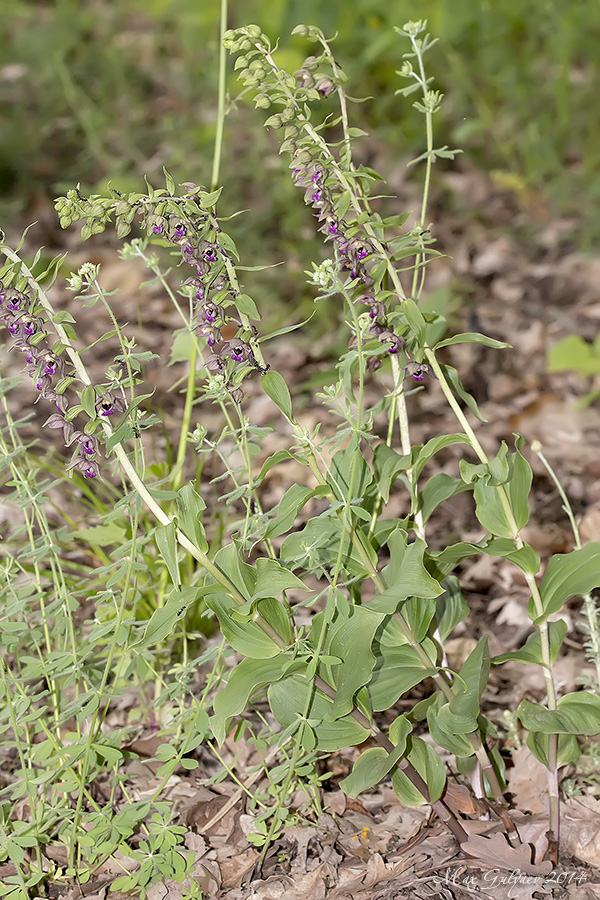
94 91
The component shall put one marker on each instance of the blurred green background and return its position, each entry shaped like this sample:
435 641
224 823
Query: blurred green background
94 91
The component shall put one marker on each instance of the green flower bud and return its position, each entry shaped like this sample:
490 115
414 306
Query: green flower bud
274 122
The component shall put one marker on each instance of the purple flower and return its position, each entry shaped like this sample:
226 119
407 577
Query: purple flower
108 405
87 467
417 371
89 445
388 337
325 86
52 364
210 254
157 229
17 301
211 312
57 420
180 231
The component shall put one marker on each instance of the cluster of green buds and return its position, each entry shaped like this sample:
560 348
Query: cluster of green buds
274 87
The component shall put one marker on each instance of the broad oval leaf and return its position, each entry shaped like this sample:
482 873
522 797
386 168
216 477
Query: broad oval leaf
568 575
288 700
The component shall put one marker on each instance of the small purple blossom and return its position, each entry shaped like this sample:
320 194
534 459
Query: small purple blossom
180 231
108 405
388 337
211 312
88 445
417 371
87 467
210 254
325 86
51 364
157 229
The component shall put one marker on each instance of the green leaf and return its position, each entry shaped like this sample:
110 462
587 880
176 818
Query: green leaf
351 642
245 637
577 714
63 316
272 579
451 376
246 305
457 744
182 346
405 576
387 465
275 387
294 499
318 545
88 400
405 790
567 752
460 715
163 619
568 575
501 485
451 607
429 766
531 651
227 242
190 507
101 535
230 560
288 700
472 338
439 488
418 613
164 535
414 318
398 669
349 474
573 354
433 446
374 764
245 679
123 433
